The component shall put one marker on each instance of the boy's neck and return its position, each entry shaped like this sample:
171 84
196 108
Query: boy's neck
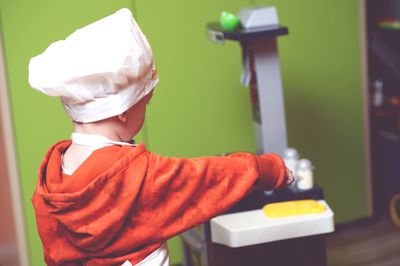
102 128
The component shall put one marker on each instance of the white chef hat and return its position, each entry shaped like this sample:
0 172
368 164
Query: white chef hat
99 71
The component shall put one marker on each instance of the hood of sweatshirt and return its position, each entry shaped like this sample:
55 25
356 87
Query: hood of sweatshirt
91 205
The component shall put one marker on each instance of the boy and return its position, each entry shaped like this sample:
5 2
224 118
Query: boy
102 200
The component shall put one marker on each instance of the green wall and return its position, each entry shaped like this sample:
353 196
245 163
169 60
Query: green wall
199 107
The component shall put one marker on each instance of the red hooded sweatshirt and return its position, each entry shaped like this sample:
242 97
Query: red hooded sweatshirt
124 202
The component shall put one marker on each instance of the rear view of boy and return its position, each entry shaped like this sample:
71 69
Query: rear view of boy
102 200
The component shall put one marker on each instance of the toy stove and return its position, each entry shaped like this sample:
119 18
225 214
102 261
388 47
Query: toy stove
245 235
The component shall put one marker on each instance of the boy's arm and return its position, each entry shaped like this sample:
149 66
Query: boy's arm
187 192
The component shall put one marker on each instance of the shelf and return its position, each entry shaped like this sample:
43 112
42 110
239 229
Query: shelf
217 33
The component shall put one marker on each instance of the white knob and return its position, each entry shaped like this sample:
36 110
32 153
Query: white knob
304 174
291 153
291 157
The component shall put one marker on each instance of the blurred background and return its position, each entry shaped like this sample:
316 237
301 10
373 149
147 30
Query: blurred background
340 67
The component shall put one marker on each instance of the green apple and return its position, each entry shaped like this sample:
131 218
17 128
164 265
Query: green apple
229 21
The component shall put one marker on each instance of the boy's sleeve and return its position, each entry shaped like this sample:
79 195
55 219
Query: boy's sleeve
187 192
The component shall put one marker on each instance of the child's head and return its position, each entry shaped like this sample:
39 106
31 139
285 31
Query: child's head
101 71
123 126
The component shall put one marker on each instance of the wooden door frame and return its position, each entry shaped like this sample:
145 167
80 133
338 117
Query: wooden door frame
11 162
366 112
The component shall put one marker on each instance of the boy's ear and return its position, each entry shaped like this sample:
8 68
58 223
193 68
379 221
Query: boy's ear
123 117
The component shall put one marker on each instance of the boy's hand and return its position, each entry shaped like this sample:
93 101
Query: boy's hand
289 177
